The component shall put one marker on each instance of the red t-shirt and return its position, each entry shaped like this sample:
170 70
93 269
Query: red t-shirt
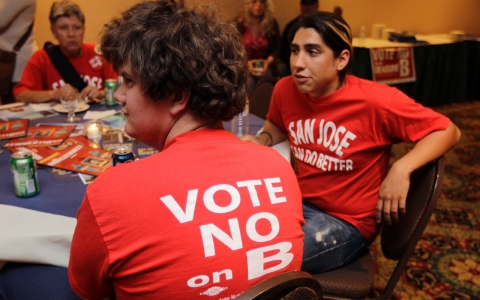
40 74
342 142
206 218
256 47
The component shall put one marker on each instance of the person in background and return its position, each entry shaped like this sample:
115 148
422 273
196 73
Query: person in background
306 7
41 81
16 17
199 219
261 38
338 11
341 129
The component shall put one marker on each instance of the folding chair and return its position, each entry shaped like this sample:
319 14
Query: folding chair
259 98
296 285
398 240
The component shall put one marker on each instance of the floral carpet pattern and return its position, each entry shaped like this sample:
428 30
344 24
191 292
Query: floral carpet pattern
446 261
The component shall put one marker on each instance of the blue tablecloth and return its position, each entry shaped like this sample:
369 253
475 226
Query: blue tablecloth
42 256
60 197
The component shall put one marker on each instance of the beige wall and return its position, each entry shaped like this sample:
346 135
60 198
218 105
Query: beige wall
417 16
96 13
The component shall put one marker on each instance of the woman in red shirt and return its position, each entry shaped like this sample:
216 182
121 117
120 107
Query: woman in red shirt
261 38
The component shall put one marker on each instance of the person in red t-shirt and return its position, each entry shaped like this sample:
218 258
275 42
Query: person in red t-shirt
199 219
261 39
341 129
40 79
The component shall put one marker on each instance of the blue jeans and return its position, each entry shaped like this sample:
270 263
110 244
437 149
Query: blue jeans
329 242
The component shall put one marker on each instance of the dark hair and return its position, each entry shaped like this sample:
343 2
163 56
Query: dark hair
67 9
171 48
335 33
308 2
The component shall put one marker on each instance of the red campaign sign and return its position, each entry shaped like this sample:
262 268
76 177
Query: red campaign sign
393 64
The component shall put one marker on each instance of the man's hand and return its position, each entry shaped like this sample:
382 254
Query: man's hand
256 71
66 91
393 195
394 188
264 139
91 92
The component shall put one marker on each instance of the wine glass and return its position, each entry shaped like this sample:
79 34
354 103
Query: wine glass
70 101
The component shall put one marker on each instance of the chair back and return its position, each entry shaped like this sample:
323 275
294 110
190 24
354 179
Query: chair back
297 285
399 239
355 280
259 98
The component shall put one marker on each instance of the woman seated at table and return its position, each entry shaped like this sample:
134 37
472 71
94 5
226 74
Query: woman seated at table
198 220
261 38
41 81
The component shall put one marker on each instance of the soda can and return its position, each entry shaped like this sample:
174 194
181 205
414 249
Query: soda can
258 64
122 155
24 174
110 89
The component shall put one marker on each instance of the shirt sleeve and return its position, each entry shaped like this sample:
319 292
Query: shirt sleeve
33 76
9 9
274 114
89 259
409 121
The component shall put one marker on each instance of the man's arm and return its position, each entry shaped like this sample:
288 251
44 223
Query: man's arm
42 96
92 92
394 188
9 9
38 96
270 135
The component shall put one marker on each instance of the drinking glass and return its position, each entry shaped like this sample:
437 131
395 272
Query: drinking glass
94 130
70 102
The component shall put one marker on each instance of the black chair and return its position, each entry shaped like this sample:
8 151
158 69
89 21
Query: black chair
259 98
398 240
296 285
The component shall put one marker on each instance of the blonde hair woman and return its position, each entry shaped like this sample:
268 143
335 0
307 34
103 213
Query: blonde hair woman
261 38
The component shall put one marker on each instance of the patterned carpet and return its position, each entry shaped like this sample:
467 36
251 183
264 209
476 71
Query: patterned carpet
446 261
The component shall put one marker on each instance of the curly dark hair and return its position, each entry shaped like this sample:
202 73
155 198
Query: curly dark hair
171 48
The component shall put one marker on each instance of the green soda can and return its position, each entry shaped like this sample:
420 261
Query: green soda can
24 174
258 64
111 86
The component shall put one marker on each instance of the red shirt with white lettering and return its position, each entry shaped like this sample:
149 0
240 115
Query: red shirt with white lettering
40 74
206 218
342 142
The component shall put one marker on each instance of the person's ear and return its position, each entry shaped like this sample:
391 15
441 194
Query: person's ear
343 59
179 102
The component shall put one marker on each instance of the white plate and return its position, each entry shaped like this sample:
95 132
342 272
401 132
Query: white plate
59 108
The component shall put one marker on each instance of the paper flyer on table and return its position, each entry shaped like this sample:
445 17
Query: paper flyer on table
60 175
79 158
76 154
40 153
40 136
13 128
116 120
95 115
115 138
25 112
